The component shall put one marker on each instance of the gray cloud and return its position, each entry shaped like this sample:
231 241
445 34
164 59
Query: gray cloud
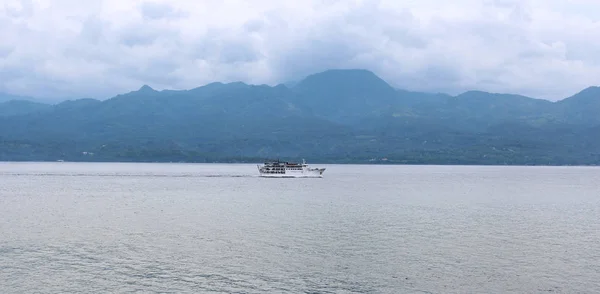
67 48
6 50
18 9
157 10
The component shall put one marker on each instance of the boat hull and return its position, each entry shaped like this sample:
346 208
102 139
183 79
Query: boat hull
317 173
289 176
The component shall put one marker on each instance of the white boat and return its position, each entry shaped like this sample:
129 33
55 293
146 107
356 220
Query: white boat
282 169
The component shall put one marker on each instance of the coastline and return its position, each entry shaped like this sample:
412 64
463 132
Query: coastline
319 162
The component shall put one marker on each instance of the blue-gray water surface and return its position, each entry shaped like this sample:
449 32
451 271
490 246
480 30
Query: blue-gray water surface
203 228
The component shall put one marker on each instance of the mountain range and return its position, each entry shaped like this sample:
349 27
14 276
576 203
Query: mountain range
336 116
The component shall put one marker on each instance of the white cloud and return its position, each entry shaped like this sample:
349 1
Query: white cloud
72 48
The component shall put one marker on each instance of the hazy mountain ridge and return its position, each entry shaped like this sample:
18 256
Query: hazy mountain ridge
336 116
8 97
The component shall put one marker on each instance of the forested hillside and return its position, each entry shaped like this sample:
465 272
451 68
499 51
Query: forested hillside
344 116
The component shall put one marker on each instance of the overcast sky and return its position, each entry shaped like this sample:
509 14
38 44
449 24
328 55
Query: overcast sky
100 48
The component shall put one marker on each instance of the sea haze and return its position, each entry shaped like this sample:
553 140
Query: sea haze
191 228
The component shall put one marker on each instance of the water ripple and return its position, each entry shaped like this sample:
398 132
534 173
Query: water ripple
359 230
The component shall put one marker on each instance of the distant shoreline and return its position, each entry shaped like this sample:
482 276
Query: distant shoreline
311 163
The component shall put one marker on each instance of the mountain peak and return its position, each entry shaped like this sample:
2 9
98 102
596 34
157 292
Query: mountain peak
478 94
345 74
349 79
7 97
341 93
593 90
146 88
586 95
474 92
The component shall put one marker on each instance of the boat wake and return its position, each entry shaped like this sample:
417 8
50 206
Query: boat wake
129 175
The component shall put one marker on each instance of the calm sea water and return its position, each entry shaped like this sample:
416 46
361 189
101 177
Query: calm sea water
198 228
